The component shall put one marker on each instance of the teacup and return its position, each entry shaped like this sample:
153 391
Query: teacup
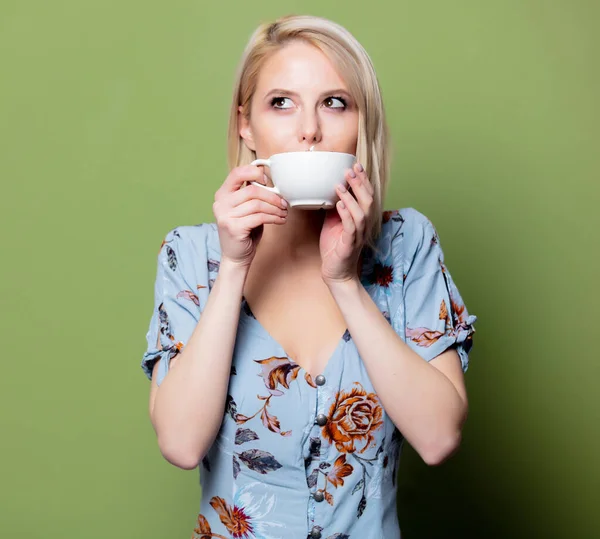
307 180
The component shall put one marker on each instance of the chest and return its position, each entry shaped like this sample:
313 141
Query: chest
299 314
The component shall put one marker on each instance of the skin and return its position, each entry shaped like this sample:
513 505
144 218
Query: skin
304 256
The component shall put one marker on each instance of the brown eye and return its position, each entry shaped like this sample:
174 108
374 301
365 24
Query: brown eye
280 102
335 103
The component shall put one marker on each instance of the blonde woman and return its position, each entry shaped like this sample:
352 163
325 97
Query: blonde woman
292 352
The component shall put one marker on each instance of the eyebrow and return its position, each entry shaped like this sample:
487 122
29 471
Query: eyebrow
284 92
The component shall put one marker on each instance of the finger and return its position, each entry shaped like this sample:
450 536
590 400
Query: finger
361 172
355 211
349 229
257 206
239 175
253 192
256 219
361 189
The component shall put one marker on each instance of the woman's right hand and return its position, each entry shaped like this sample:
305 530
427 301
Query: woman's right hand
241 212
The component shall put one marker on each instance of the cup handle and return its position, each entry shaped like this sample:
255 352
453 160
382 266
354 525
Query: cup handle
266 163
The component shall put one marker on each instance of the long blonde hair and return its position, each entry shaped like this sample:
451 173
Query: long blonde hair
355 67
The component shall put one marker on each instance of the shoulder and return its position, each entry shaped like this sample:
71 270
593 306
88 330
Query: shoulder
192 238
408 240
191 251
408 224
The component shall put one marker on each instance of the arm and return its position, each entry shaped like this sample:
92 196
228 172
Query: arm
190 376
427 401
187 408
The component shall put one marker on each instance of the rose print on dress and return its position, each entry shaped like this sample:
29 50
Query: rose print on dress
353 418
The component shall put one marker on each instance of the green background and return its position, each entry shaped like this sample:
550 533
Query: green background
114 118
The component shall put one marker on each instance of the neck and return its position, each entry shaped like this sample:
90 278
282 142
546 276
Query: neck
298 238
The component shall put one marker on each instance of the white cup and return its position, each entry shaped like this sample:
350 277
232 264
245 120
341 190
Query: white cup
306 179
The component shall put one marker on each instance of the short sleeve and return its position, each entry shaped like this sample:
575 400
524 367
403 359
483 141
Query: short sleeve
436 317
180 292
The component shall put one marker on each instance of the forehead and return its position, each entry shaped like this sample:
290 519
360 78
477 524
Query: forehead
298 66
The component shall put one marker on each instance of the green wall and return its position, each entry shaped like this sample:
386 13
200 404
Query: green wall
113 120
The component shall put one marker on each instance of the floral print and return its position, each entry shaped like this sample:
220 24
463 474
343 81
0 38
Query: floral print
425 336
246 518
354 416
276 371
297 455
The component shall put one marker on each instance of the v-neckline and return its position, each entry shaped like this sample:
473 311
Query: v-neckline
247 312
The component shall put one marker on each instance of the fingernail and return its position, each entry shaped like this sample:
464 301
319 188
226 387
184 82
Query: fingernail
352 174
264 179
342 205
342 187
359 167
284 202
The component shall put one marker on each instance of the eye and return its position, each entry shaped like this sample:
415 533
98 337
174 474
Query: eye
280 103
333 102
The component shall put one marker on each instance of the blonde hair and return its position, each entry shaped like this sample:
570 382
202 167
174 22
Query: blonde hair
355 67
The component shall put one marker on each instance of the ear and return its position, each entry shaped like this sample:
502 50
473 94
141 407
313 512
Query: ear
245 131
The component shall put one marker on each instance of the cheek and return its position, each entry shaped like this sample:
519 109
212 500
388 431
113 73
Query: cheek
345 134
347 142
273 134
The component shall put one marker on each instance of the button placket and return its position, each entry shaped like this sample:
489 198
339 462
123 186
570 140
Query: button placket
321 419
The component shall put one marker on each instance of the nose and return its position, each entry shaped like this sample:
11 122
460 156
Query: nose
309 130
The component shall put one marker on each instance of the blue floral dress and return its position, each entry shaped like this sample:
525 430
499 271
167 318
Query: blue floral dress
298 457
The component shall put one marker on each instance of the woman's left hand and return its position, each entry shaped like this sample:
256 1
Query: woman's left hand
344 229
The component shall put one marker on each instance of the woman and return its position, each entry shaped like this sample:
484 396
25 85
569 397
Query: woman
286 346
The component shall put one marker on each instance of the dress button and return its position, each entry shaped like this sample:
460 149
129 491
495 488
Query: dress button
315 533
320 380
321 420
319 496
